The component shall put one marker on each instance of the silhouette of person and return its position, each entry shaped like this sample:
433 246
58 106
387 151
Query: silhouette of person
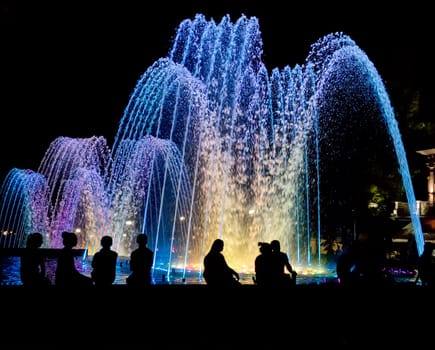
104 263
426 267
374 258
66 274
32 268
264 265
348 266
411 253
216 270
141 262
281 263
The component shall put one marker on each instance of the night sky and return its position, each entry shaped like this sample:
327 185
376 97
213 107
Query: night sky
69 70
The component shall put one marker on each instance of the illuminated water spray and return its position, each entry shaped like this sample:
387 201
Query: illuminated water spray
210 145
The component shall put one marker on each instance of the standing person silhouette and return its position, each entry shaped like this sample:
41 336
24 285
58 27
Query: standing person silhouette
216 270
67 274
104 263
349 263
32 268
141 263
280 264
426 266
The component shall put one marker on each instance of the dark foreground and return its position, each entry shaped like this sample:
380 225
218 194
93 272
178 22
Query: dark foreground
197 317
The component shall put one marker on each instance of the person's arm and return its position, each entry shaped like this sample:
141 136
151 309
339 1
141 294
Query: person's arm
132 263
225 265
93 263
42 266
288 265
41 263
234 273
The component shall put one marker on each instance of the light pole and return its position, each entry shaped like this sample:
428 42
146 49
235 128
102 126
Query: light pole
354 223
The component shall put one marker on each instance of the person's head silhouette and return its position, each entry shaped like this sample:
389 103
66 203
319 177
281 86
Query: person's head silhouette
275 245
34 240
106 241
218 245
69 239
142 239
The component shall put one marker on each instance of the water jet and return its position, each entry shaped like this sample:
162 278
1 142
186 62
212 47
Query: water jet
210 145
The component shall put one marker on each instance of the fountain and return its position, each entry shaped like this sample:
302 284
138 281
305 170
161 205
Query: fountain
210 146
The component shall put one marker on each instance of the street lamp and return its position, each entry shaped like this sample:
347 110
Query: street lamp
354 223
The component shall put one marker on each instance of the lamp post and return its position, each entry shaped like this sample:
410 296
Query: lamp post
354 223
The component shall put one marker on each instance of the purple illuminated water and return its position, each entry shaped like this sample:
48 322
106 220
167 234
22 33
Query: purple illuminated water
210 145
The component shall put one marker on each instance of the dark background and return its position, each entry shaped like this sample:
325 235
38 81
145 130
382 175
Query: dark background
68 69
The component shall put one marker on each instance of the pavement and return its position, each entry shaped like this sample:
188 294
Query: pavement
200 317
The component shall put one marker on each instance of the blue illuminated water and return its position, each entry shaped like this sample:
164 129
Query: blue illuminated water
211 145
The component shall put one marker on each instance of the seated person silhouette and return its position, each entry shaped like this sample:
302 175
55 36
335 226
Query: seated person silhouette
141 263
263 266
281 263
66 274
217 272
104 263
32 268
